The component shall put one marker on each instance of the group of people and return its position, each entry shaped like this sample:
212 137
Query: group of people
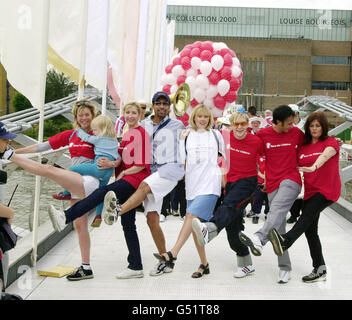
220 173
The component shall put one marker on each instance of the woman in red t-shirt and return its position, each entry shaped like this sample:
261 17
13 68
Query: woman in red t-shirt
319 161
135 152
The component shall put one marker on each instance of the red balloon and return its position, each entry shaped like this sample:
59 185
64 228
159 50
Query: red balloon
231 96
186 63
195 52
233 54
168 68
184 119
194 103
226 73
214 77
235 83
224 51
185 52
181 79
188 46
219 102
167 88
176 61
197 44
207 45
206 55
228 60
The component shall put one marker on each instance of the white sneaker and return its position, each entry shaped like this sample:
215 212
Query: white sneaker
284 276
7 154
244 271
201 232
58 219
253 242
160 268
110 208
162 218
130 274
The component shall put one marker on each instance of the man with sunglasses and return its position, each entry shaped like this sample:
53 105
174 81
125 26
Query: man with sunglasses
242 149
166 171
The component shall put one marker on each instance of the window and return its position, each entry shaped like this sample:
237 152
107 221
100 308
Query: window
331 60
326 85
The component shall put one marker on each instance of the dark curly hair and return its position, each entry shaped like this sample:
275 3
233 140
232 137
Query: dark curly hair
323 121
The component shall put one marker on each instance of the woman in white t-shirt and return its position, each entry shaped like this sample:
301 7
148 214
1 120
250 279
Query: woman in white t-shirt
199 147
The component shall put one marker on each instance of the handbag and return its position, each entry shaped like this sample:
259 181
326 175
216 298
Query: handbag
8 238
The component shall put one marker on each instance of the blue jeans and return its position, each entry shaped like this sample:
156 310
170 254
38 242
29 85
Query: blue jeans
123 191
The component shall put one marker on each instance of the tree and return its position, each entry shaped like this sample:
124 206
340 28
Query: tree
57 86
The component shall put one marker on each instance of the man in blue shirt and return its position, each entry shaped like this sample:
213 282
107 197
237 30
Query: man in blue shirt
166 170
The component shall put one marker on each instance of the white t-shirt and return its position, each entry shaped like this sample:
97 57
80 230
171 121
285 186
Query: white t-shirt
203 175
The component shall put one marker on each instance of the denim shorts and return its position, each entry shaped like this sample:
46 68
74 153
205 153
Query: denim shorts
202 206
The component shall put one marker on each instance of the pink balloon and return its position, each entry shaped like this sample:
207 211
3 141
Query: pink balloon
184 119
168 68
207 45
186 63
228 60
224 51
235 83
219 102
226 73
185 52
195 52
167 88
206 55
197 44
214 77
181 79
231 96
176 61
194 103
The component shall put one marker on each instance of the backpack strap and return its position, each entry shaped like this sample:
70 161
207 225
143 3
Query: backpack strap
160 127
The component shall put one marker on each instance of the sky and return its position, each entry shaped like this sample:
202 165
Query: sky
299 4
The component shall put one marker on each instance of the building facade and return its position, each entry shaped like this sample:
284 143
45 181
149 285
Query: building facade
285 53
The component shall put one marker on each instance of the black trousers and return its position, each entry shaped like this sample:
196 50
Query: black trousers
236 198
296 208
307 223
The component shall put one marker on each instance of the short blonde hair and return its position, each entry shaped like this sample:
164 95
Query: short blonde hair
132 104
201 108
238 117
104 124
79 106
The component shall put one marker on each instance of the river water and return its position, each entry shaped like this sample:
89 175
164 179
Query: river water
23 199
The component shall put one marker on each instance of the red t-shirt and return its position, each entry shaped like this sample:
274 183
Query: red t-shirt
77 147
135 150
280 156
243 157
261 167
326 179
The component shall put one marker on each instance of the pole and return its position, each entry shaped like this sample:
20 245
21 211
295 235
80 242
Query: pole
105 73
82 68
45 35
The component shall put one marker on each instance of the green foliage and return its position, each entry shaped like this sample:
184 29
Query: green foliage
51 127
57 86
20 102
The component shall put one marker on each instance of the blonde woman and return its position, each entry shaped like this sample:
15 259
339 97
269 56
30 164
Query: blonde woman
199 147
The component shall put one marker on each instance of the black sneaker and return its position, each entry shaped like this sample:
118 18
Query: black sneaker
80 274
314 276
277 241
292 219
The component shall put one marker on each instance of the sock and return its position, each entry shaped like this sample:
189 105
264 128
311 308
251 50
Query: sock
86 266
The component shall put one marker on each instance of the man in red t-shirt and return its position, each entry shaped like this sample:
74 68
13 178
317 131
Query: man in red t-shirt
283 181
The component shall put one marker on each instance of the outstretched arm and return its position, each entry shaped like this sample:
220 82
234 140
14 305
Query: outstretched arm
328 153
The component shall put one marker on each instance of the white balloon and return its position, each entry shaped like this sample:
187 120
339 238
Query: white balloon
191 81
205 68
173 88
223 87
191 73
209 103
171 79
177 71
195 63
216 112
236 61
202 81
163 79
217 46
199 95
212 91
236 71
217 62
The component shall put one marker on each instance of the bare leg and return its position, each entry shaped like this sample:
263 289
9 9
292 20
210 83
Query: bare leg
201 252
136 199
157 232
71 181
81 226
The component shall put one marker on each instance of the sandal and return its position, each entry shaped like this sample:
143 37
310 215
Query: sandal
205 269
96 222
61 196
170 262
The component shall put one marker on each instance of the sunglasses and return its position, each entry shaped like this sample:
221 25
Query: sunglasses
237 124
144 108
162 104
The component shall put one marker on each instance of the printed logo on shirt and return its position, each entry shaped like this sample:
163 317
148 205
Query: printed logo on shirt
269 145
310 155
79 145
236 150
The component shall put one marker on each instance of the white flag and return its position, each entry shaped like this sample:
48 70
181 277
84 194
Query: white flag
23 46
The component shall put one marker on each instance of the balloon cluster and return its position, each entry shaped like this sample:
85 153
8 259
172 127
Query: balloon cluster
212 71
